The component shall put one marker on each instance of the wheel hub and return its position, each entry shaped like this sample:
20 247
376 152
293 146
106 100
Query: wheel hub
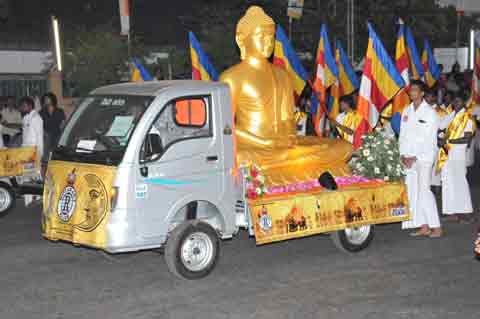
5 199
357 235
197 251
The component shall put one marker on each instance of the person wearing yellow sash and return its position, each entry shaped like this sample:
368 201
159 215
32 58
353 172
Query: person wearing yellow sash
443 116
418 139
456 198
348 120
447 102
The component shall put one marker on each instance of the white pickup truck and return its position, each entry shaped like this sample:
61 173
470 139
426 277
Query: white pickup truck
149 165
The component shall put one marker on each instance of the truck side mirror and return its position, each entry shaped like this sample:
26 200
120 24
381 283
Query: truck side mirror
153 147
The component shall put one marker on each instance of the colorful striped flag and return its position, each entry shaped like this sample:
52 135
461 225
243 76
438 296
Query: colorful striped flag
124 6
380 82
139 73
346 83
402 62
430 66
346 75
202 68
416 67
326 75
284 56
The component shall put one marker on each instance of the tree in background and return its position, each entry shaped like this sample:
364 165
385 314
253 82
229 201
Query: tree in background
96 57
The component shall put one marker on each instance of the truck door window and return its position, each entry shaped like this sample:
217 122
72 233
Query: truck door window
181 119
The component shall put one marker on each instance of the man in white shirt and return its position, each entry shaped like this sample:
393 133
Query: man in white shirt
418 141
456 198
32 126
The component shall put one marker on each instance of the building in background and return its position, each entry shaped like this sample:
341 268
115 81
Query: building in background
466 6
23 72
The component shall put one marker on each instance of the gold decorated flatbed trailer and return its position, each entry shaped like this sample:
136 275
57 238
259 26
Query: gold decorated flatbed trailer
16 165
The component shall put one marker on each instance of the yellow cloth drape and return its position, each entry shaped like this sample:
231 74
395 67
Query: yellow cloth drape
455 130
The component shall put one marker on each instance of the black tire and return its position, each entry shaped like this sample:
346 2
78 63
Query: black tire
342 241
7 199
190 230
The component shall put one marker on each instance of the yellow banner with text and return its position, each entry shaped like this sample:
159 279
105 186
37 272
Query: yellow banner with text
277 218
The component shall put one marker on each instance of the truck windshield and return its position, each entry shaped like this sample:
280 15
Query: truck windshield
100 129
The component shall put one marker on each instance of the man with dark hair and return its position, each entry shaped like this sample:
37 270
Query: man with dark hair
456 199
32 125
418 140
348 120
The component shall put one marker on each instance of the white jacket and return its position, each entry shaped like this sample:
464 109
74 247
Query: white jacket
418 133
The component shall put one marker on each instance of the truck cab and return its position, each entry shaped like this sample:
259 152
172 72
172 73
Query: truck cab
141 162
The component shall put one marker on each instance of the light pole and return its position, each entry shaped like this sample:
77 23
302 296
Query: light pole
55 81
56 37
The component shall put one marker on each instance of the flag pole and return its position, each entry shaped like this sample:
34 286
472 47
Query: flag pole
290 23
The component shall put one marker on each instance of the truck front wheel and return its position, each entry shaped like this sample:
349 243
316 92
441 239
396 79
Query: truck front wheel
192 250
353 239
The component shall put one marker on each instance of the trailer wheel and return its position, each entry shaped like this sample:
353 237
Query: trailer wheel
354 239
7 199
192 250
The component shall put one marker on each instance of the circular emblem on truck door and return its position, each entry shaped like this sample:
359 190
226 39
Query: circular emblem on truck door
67 203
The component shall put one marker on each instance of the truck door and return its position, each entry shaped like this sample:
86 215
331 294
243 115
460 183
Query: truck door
181 159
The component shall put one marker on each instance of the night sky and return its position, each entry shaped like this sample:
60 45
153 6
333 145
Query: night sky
156 21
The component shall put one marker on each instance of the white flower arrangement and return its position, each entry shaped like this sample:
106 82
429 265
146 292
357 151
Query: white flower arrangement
379 157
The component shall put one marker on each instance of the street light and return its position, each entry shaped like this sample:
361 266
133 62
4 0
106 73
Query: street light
56 36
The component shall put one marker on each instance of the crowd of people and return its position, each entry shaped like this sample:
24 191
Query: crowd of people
438 140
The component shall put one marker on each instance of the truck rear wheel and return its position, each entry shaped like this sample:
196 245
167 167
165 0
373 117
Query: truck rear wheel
192 250
7 199
353 239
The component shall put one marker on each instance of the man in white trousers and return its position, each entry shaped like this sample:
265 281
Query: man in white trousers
456 198
418 143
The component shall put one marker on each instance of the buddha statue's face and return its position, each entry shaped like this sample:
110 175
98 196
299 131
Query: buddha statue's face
259 43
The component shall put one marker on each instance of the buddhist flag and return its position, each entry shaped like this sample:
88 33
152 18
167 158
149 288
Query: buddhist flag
402 62
346 83
202 68
346 75
139 73
334 100
285 57
430 66
380 82
416 67
124 6
326 75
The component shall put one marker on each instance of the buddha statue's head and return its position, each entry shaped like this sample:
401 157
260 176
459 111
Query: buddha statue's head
255 34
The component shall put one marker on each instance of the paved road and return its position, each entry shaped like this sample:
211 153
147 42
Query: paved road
397 277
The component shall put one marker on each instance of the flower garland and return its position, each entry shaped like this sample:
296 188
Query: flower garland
255 182
314 184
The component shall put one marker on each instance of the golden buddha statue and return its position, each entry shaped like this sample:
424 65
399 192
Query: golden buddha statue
263 105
